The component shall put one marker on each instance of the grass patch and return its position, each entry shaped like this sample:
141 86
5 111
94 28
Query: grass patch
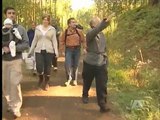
137 30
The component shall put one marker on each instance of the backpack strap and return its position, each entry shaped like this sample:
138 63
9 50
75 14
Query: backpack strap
79 37
67 35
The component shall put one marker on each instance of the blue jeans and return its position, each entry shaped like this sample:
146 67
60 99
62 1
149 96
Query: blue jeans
72 56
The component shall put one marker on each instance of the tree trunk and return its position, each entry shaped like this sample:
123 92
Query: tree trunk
154 2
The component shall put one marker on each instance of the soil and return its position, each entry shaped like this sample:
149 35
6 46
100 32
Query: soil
59 102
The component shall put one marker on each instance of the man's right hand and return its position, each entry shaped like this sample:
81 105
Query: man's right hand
109 17
6 49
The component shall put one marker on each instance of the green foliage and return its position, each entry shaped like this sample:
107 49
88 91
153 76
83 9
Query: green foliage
32 10
136 29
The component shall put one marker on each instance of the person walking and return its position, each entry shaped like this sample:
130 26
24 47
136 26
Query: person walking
95 63
44 45
11 67
30 34
58 31
70 42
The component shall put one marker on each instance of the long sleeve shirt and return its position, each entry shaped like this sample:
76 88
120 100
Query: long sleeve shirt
96 45
44 40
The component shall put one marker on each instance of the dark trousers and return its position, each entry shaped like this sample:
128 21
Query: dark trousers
101 76
54 60
44 62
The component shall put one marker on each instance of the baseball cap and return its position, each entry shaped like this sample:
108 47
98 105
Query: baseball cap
8 21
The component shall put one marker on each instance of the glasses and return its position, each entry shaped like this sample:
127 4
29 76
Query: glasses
11 13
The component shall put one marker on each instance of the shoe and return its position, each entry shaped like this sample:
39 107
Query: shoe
85 100
75 82
104 109
55 68
67 83
46 83
16 115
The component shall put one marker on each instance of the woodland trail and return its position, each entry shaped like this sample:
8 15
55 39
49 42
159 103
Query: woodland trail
60 102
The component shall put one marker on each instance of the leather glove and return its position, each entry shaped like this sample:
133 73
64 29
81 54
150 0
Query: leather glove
17 34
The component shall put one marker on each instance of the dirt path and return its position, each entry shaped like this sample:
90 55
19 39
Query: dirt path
60 102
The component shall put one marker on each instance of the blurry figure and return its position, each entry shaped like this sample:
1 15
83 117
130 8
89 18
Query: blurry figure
58 31
30 34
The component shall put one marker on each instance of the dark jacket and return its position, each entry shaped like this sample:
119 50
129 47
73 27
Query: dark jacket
96 45
30 34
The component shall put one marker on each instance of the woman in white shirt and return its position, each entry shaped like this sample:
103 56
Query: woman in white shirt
44 45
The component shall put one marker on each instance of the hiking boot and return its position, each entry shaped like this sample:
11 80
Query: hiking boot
46 87
85 100
104 109
75 82
46 84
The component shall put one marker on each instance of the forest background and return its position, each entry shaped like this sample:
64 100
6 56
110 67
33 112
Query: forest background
133 40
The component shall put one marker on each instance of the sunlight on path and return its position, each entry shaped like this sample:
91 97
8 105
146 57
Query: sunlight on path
72 91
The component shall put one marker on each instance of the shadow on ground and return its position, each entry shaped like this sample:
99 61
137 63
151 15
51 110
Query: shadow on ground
59 103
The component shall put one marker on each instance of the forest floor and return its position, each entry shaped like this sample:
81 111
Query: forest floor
59 102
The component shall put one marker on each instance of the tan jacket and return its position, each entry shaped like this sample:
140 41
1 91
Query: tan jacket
48 39
72 39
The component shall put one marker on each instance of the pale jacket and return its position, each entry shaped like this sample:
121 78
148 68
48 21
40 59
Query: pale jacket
48 39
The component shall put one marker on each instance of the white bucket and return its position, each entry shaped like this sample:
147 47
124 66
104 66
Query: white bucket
29 63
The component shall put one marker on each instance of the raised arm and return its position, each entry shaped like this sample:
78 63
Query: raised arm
92 33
